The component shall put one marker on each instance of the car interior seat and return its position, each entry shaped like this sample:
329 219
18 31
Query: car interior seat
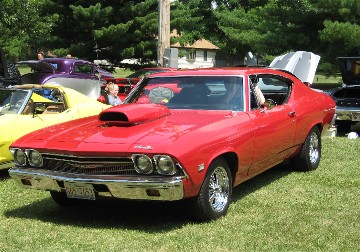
53 109
105 94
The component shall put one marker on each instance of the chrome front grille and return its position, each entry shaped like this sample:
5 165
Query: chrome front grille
89 165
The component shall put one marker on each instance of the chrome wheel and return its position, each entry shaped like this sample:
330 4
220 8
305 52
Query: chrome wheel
314 153
214 197
310 154
219 189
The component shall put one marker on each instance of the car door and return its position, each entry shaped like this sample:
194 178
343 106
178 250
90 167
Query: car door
274 126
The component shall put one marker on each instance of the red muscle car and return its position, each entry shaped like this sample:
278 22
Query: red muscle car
197 143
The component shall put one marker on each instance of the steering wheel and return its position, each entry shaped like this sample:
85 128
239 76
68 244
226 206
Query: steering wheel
160 95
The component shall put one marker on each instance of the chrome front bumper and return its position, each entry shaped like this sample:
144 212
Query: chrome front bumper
159 188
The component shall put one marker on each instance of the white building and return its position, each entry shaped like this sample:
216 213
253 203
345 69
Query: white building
201 54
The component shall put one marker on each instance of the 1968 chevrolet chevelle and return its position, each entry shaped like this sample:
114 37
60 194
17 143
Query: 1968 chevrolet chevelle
192 134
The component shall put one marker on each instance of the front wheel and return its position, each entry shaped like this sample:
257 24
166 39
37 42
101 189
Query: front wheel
215 194
309 157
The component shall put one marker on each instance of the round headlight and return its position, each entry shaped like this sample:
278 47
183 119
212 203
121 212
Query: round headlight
142 164
19 156
35 158
165 165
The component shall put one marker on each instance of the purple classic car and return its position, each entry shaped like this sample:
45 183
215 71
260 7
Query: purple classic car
80 75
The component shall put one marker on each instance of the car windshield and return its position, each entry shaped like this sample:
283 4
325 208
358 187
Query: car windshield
195 92
13 101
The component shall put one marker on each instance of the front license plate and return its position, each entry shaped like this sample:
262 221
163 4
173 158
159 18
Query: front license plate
356 117
79 191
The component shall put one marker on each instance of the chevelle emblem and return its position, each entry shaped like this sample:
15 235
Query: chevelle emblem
143 147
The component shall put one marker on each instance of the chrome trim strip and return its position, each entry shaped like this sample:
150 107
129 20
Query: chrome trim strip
64 156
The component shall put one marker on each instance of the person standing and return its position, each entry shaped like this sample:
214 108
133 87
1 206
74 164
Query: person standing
40 55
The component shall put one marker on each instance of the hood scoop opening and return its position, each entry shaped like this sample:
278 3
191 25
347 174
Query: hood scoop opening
132 114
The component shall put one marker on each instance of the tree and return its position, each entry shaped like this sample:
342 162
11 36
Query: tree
267 27
23 29
112 30
135 36
340 33
116 30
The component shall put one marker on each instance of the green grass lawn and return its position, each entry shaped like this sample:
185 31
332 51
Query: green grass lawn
122 72
278 210
322 82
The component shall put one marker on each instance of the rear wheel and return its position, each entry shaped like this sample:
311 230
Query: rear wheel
215 194
309 157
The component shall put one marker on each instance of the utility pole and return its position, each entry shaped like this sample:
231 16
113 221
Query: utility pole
164 30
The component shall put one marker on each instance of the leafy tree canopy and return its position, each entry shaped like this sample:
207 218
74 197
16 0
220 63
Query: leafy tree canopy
115 30
23 29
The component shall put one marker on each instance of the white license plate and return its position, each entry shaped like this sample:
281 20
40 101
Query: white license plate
79 191
355 117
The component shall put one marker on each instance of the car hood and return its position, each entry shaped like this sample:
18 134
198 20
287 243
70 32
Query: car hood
302 64
122 125
350 70
39 66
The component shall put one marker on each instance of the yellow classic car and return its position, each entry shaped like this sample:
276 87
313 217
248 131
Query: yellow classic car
26 108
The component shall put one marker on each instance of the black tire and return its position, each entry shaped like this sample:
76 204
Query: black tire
214 197
62 200
309 157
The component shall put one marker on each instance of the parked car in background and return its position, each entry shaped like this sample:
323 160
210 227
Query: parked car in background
194 144
29 107
127 84
347 97
80 75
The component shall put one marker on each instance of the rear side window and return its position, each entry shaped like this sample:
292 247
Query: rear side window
271 84
84 69
274 87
